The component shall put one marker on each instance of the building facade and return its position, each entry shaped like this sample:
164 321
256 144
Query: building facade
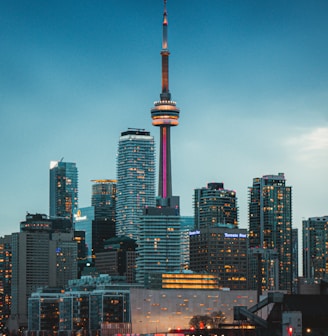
221 251
315 248
158 245
118 258
87 304
94 306
135 180
186 225
40 258
103 200
5 279
63 189
214 206
83 222
270 227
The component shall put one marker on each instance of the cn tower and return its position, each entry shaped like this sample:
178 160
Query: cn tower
165 114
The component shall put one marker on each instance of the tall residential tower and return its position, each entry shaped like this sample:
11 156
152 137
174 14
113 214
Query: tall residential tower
135 179
315 248
215 206
270 233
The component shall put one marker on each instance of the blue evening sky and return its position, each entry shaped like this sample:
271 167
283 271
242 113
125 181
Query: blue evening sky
250 78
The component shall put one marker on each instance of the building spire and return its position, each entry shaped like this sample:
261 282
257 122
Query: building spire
165 95
165 114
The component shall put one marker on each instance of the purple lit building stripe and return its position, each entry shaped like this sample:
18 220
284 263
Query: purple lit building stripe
164 163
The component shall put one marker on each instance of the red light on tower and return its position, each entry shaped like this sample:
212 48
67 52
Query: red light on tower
290 331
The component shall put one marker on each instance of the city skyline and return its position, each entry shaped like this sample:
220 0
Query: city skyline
250 78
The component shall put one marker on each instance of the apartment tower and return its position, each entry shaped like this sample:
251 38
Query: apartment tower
270 233
135 180
315 248
214 206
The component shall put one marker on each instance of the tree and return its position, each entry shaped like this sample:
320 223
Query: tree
218 318
201 322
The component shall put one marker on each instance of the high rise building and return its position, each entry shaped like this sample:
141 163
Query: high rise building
221 250
186 225
159 240
315 248
103 200
135 180
63 189
118 258
83 220
270 230
215 206
40 257
5 279
158 245
295 263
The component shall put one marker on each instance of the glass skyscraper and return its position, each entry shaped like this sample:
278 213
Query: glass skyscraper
103 200
135 180
270 231
83 221
63 189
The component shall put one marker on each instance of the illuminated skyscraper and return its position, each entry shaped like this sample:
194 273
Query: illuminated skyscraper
40 257
159 241
5 279
215 206
135 180
63 189
270 231
315 248
103 200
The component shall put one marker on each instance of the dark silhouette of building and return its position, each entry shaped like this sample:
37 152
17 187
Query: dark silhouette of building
118 258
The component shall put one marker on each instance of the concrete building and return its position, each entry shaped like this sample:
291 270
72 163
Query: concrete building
315 248
40 258
158 245
221 251
215 205
270 228
118 258
92 305
5 279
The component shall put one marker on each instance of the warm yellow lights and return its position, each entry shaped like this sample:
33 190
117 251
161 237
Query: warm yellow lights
164 116
164 121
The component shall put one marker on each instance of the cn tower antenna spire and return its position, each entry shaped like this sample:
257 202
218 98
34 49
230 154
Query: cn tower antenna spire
165 95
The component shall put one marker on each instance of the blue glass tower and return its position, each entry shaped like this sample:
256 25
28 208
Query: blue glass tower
63 189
